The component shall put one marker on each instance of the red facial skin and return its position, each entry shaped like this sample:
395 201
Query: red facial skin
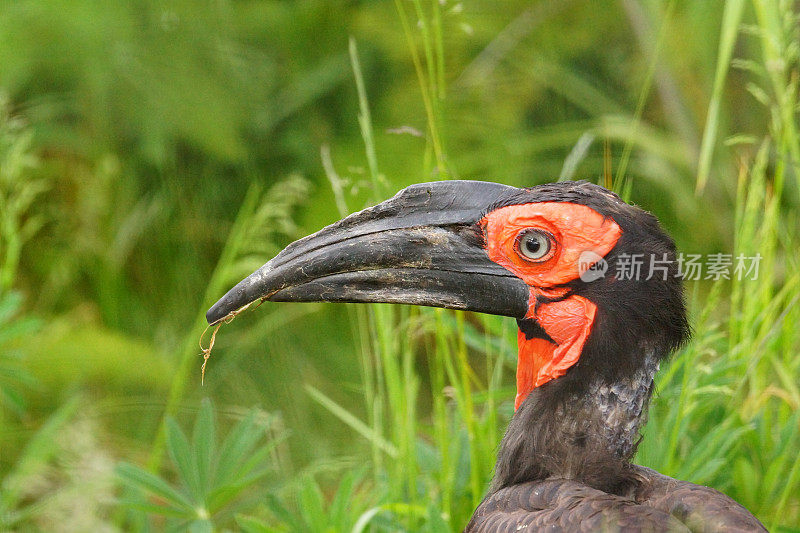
574 229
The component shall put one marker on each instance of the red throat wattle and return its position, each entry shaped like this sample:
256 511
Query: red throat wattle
568 323
573 229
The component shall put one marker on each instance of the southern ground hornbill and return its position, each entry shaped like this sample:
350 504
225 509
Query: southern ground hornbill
590 339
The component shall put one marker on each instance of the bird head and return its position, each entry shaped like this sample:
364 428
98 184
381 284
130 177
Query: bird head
591 280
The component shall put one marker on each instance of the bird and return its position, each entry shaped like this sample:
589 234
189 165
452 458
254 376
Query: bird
592 332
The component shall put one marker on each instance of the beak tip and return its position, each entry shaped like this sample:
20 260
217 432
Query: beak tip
248 290
215 313
232 300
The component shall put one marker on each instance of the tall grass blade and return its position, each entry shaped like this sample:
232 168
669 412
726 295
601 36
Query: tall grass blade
352 421
731 20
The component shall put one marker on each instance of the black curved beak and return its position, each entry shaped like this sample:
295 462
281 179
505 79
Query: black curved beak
424 246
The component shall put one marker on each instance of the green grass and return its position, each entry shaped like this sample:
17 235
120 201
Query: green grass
126 208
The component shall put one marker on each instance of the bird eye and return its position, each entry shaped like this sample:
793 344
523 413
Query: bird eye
533 244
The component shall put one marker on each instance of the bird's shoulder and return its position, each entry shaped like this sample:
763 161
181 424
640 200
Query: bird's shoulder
565 505
661 504
700 508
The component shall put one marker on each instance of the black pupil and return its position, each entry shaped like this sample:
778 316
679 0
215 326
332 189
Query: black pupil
533 245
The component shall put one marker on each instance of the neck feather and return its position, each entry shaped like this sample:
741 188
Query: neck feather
580 426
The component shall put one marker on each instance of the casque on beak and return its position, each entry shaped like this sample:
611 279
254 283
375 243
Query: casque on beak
424 246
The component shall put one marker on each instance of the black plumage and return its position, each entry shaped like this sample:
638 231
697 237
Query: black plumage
664 505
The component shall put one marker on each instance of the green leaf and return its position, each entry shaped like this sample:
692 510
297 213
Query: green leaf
254 525
152 508
283 514
203 442
236 447
221 496
139 478
181 455
256 459
343 499
312 505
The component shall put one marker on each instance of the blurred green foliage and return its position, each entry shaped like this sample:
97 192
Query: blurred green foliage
153 153
212 479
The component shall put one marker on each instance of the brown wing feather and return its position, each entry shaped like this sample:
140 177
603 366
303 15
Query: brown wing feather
702 509
561 505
